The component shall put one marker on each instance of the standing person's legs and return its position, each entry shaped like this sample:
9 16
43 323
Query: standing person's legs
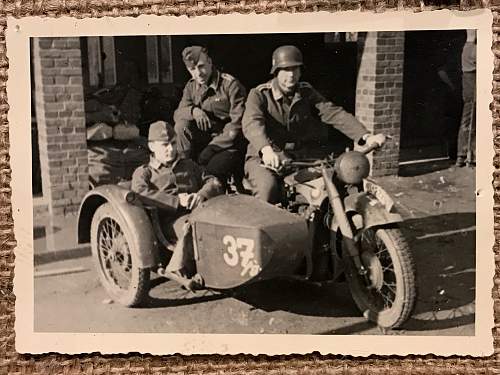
468 119
266 184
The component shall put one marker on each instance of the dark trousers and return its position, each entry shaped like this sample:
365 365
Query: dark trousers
468 121
191 141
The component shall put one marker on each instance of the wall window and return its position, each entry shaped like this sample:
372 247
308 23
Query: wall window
101 61
151 56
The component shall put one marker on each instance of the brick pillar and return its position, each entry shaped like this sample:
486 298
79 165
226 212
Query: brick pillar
61 122
379 94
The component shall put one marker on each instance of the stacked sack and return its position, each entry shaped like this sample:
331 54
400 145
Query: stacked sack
115 148
114 162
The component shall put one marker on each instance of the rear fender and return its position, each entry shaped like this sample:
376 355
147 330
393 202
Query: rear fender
143 237
372 211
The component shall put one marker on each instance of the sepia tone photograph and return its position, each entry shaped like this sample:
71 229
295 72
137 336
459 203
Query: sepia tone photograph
273 183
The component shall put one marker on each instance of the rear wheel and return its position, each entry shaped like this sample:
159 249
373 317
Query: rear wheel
116 259
386 294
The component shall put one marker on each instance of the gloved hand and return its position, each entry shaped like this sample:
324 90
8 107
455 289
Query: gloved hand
207 154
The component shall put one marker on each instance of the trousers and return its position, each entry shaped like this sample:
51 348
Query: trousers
191 142
266 185
183 254
468 121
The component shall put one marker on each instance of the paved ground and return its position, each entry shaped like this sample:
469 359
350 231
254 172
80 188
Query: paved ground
440 226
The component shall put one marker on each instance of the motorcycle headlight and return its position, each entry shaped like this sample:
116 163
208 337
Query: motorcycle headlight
352 167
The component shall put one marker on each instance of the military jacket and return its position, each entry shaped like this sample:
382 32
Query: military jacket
269 121
160 185
223 101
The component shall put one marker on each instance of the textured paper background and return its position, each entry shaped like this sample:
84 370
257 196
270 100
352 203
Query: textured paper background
11 362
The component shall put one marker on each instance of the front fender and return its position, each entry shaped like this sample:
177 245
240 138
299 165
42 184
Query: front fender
373 212
135 216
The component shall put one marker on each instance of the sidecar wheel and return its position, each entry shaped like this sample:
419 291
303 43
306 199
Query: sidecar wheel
115 258
386 295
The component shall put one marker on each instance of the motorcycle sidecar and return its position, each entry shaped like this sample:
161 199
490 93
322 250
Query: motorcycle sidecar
237 239
240 239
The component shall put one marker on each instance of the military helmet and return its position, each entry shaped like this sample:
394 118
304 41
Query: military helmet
285 57
352 167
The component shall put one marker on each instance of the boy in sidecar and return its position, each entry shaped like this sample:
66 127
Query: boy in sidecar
176 186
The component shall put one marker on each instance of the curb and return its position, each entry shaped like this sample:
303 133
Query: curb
60 255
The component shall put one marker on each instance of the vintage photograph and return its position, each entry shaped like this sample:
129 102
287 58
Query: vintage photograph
268 183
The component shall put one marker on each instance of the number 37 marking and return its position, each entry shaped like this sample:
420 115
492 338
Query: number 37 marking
241 251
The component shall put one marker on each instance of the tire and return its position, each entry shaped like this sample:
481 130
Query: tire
378 249
110 238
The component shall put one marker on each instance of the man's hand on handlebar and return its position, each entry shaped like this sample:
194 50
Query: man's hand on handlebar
373 139
370 142
270 158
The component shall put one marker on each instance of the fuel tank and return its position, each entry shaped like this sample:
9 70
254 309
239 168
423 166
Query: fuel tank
240 239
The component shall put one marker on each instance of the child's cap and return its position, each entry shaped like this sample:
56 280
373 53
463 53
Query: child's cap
161 131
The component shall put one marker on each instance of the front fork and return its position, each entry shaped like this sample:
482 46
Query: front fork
343 222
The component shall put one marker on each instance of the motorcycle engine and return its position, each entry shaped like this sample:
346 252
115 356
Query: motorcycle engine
352 167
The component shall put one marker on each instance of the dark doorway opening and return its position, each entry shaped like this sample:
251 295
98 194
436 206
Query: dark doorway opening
431 107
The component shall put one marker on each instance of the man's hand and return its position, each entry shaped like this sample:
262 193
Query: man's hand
184 199
194 200
269 157
375 139
190 200
201 119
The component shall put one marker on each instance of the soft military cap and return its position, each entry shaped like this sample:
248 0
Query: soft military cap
191 55
161 131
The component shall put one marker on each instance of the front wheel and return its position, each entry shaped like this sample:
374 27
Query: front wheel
115 258
386 294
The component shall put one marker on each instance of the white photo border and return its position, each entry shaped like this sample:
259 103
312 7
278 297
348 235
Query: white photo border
18 34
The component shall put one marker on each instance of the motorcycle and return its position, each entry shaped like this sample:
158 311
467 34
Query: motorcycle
334 221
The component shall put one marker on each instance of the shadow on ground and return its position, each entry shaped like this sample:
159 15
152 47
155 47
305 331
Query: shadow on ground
178 296
444 250
443 247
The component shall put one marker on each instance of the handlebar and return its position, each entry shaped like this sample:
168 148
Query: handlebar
290 163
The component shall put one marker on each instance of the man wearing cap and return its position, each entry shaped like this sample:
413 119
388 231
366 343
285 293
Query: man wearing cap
208 119
176 186
286 114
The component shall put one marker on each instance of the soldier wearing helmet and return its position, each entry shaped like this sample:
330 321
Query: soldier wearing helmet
208 119
286 114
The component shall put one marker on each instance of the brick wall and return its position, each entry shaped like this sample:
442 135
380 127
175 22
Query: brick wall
379 93
61 122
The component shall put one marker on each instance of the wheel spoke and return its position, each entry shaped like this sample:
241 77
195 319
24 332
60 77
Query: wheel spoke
391 287
386 299
388 268
114 253
380 252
